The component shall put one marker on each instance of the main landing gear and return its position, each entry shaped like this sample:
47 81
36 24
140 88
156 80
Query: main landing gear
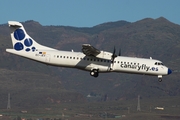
94 72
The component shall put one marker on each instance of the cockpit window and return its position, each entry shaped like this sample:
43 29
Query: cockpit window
158 63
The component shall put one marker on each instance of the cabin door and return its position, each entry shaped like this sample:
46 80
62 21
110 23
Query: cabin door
47 59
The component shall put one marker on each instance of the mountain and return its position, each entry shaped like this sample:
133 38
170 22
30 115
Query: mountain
156 38
30 89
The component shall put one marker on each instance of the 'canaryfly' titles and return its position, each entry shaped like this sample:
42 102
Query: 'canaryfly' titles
138 67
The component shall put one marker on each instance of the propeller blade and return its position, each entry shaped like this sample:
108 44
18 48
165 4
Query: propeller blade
114 51
120 52
114 55
112 58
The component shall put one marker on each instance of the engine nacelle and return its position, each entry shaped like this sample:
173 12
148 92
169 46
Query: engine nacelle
104 55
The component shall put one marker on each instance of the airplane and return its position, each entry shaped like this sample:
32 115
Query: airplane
90 59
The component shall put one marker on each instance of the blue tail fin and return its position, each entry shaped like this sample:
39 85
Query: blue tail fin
21 40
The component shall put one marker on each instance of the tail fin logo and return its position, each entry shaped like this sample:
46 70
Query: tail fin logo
22 42
19 34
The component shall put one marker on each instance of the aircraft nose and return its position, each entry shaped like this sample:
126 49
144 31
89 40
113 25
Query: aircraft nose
169 71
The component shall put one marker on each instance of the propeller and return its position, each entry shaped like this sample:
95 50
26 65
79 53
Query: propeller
113 55
112 58
120 52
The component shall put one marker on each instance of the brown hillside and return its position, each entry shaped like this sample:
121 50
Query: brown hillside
158 38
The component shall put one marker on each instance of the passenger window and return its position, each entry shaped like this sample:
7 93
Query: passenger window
58 56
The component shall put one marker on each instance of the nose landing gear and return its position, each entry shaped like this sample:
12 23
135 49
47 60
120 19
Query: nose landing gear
160 78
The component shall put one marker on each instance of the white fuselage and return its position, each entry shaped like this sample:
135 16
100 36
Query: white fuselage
81 61
90 59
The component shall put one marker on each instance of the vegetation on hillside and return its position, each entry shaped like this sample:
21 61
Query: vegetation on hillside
157 38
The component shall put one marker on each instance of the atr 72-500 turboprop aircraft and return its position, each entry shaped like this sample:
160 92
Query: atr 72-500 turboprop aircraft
90 59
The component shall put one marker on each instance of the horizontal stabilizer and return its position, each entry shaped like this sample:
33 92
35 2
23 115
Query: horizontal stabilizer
14 24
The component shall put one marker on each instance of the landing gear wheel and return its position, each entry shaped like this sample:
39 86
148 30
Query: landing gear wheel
94 73
160 79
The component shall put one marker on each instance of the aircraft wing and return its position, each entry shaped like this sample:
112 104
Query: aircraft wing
89 50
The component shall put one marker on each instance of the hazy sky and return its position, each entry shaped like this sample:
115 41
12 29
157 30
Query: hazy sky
87 13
